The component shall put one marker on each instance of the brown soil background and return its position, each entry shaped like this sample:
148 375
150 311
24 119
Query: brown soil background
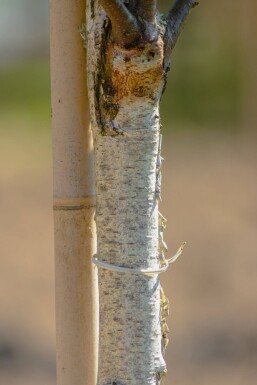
209 199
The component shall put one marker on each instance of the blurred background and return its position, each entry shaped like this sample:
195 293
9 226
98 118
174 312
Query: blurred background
209 196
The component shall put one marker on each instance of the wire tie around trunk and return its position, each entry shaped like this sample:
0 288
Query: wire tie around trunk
130 270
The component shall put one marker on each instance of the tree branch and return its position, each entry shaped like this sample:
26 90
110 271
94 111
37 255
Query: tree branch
125 27
176 20
146 14
147 10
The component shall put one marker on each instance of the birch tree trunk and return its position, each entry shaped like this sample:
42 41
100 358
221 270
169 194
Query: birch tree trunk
129 46
74 200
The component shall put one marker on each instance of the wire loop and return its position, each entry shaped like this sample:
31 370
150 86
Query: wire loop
130 270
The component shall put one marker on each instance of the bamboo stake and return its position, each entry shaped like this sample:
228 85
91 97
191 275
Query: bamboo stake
74 200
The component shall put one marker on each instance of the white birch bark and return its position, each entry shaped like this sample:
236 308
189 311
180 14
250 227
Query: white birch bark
126 82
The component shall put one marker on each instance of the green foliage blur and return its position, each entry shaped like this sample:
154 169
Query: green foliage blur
25 92
205 89
205 85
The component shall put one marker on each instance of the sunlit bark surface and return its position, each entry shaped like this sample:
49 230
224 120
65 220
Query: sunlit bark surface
129 48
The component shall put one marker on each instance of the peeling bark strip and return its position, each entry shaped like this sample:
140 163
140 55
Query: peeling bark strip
129 47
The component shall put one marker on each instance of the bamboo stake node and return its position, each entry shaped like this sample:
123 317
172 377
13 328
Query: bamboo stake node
75 203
